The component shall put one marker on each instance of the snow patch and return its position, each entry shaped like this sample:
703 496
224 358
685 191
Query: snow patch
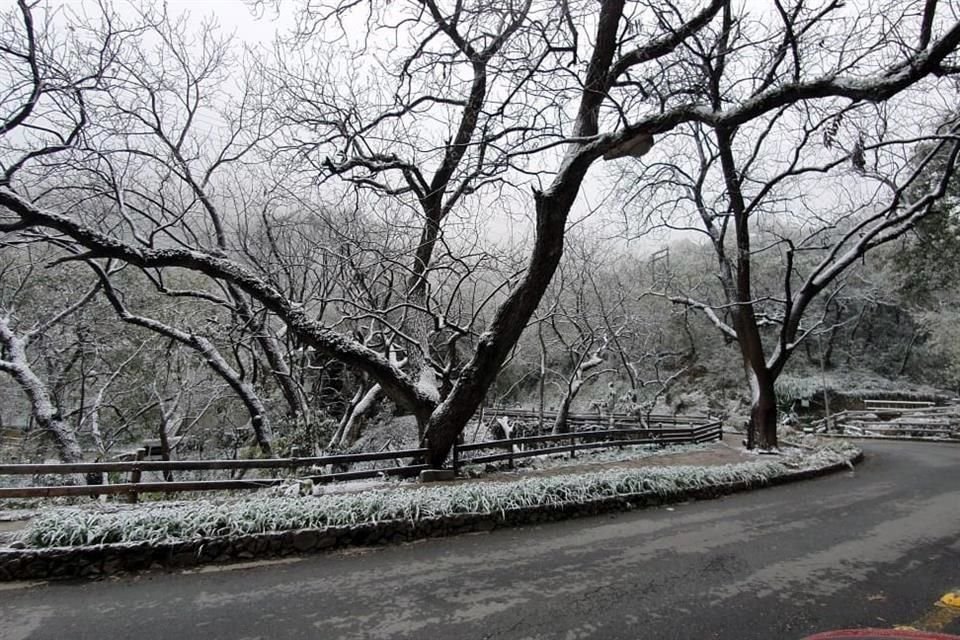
264 513
427 384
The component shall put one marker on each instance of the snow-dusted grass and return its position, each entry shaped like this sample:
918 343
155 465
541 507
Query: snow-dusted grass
264 513
851 384
590 456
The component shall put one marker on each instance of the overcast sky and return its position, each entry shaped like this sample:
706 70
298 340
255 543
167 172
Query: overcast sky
237 17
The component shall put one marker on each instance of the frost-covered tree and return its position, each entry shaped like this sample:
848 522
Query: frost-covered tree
468 105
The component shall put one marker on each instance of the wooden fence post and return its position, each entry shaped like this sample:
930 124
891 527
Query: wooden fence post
135 475
456 458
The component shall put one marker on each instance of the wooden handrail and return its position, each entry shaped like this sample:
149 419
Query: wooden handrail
204 465
689 433
599 433
611 438
617 417
571 448
134 488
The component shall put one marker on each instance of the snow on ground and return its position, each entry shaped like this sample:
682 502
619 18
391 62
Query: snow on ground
265 512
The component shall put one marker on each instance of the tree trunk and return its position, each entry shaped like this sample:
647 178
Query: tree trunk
351 406
278 365
14 361
353 422
451 416
542 384
560 424
553 205
831 342
165 448
66 441
258 413
908 352
763 412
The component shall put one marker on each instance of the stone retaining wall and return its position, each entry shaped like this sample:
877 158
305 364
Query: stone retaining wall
100 560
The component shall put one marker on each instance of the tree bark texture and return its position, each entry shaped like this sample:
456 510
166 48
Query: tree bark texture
47 416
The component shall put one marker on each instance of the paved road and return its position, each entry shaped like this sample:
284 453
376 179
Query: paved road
875 547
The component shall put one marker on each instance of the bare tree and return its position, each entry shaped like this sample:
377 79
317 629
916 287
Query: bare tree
638 80
15 361
93 415
203 346
758 205
182 402
573 332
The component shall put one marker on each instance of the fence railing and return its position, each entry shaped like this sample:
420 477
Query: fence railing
525 447
898 429
669 430
134 486
631 420
898 404
919 421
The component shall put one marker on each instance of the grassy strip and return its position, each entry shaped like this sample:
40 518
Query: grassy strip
595 456
201 519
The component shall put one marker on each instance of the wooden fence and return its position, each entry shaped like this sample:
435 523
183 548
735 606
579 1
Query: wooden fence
901 422
135 469
572 442
623 420
870 404
668 430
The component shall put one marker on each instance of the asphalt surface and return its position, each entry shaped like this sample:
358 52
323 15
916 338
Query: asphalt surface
874 547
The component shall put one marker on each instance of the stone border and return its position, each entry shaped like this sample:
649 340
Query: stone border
57 563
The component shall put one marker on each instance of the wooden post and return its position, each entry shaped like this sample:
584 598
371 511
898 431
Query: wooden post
135 475
456 458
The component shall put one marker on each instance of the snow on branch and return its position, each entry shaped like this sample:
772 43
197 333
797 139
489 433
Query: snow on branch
100 245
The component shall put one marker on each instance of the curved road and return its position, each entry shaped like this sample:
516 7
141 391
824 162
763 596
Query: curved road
874 547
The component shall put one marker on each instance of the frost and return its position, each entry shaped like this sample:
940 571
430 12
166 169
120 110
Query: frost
629 452
427 384
264 513
352 486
